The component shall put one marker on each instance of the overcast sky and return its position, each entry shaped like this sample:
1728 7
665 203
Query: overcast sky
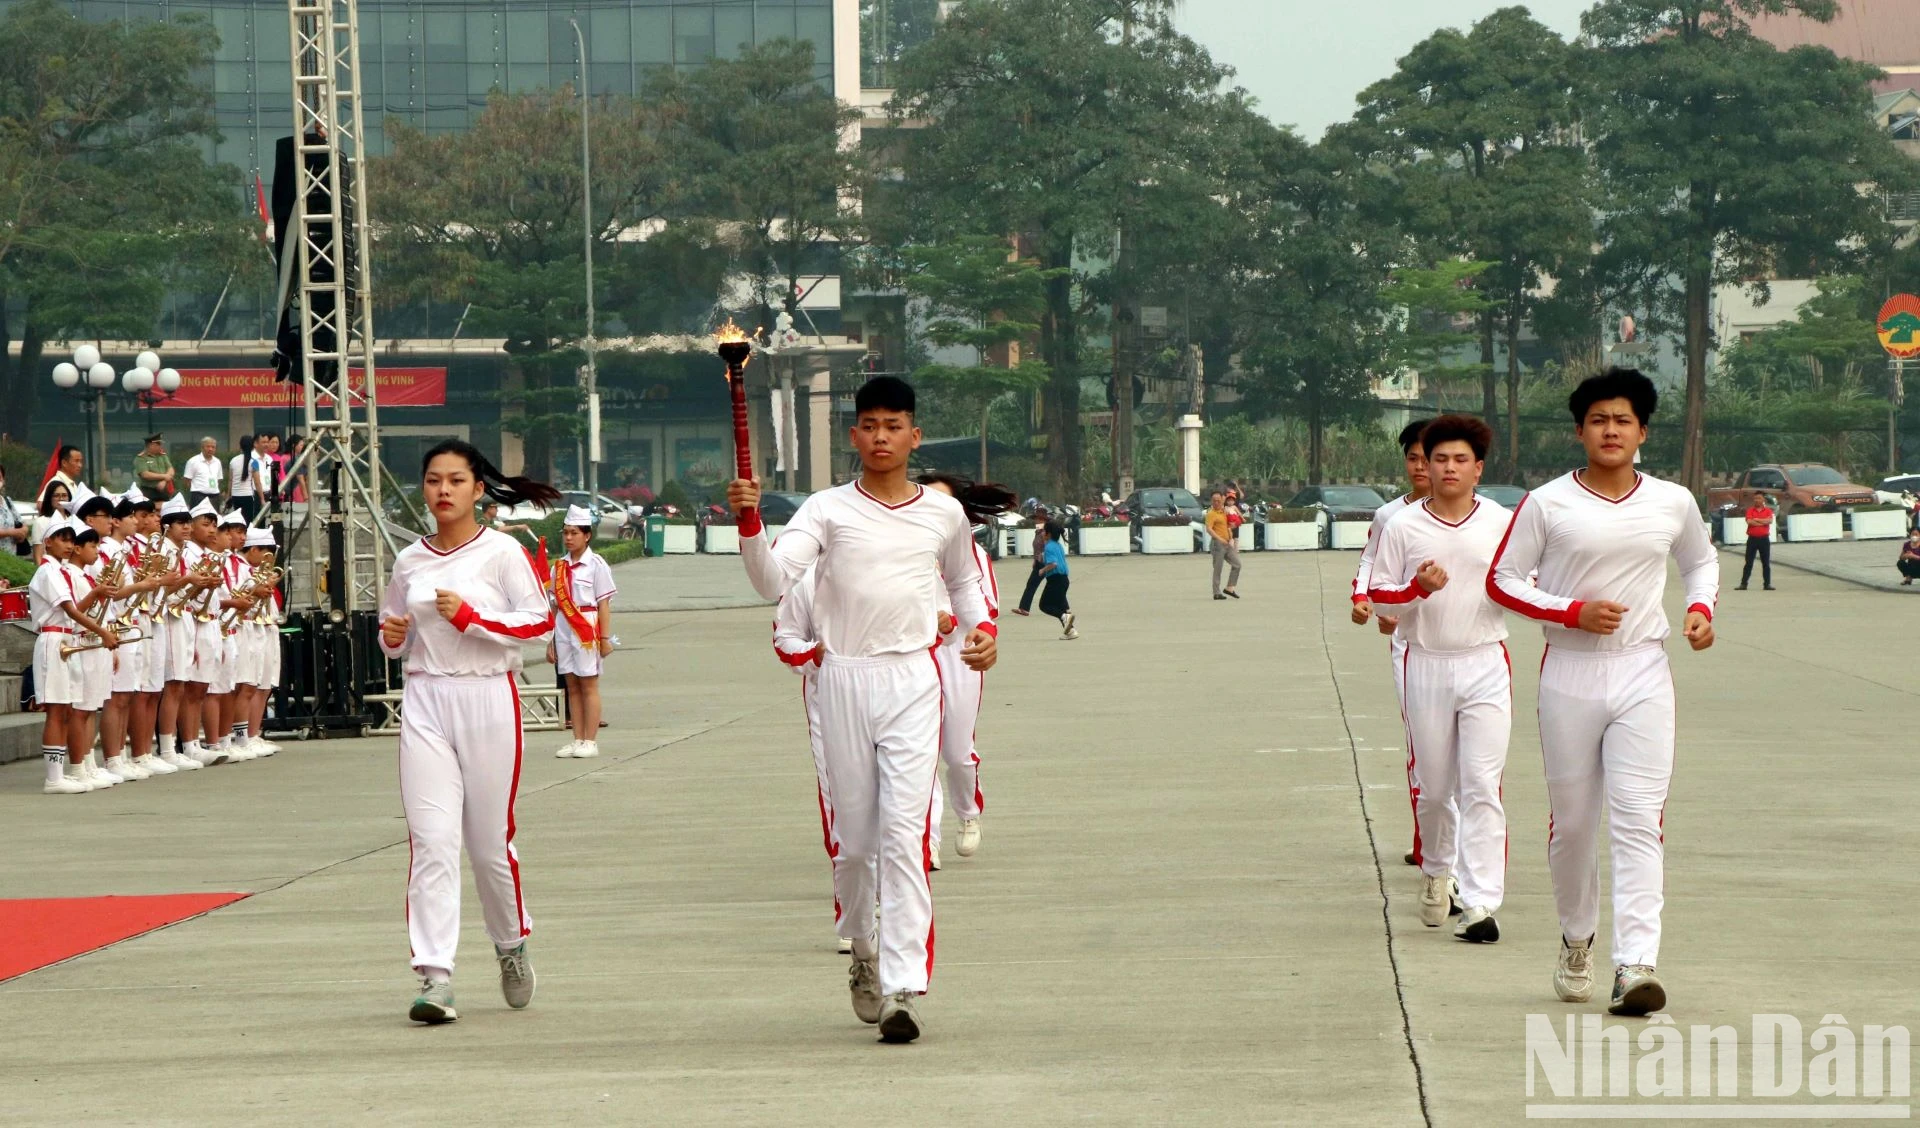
1306 59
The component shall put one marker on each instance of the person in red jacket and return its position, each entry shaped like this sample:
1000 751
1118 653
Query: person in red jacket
1760 540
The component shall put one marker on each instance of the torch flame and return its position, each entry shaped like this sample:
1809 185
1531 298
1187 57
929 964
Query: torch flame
735 347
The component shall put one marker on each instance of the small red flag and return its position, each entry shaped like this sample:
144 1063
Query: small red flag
53 465
260 203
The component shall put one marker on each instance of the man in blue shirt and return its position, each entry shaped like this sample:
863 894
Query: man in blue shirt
1053 570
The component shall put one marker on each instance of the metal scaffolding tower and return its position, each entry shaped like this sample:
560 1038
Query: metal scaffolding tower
340 533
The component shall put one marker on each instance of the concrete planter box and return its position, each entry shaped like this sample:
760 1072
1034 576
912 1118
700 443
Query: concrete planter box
721 539
1022 542
1879 524
1166 539
1245 538
1105 540
680 538
1350 534
1292 536
1815 527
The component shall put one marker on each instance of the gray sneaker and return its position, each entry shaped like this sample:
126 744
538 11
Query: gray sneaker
516 975
898 1020
864 983
434 1004
1636 990
1573 976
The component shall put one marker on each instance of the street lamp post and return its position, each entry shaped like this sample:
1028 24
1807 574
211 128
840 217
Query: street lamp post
91 376
586 228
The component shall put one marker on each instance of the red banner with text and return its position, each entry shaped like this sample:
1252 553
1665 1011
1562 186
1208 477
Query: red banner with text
256 387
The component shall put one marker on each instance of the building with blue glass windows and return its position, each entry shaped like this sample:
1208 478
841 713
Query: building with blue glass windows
431 64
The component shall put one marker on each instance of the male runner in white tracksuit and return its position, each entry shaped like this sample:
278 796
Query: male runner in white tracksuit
1599 539
883 546
1457 684
1417 487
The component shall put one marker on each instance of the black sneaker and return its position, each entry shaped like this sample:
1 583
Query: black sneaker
1410 859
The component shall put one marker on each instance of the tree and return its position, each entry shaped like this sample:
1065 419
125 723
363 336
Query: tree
764 153
491 216
1058 121
1430 301
1325 326
1480 127
1724 160
106 195
981 297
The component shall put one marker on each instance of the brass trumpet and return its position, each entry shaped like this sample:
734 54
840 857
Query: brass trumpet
177 605
206 612
265 579
153 564
131 634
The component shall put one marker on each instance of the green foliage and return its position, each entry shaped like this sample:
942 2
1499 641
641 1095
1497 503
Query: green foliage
107 199
17 571
24 465
675 494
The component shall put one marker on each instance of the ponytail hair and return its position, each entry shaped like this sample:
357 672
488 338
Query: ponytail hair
507 491
983 501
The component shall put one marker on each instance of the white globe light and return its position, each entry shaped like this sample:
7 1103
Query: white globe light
137 379
65 375
148 360
86 356
100 376
168 380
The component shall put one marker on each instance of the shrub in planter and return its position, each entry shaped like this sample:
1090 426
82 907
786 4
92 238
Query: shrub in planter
617 552
1166 520
1281 515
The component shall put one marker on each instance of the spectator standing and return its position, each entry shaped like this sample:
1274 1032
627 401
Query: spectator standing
1226 550
1909 561
293 486
1053 570
50 514
244 483
13 529
69 465
203 473
1759 540
153 470
1035 575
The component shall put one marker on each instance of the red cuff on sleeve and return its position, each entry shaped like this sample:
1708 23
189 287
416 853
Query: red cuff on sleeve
1359 597
750 522
1570 618
463 616
1703 609
989 628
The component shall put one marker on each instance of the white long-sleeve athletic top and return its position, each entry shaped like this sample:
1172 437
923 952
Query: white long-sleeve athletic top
506 606
1586 546
1458 617
795 642
880 568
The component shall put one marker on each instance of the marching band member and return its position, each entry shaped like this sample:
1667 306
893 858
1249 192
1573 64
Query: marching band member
190 647
223 700
54 600
259 669
583 593
173 640
94 514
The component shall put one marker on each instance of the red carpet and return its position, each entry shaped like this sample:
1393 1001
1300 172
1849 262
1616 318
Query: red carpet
50 930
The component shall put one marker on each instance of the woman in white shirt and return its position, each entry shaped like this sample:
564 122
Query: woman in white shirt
458 608
51 512
240 474
14 533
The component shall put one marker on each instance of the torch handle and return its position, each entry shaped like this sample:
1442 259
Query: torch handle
742 451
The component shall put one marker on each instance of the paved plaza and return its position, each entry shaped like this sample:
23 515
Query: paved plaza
1189 906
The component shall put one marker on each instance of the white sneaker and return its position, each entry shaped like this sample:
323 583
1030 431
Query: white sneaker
1637 991
1477 926
568 750
933 856
69 783
269 745
238 753
1435 898
260 748
863 983
123 767
899 1021
101 777
969 840
180 762
1573 976
200 753
154 765
586 750
844 946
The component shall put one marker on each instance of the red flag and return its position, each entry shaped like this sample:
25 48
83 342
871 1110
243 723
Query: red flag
53 466
260 203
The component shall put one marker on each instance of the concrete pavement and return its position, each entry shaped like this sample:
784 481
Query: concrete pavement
1188 908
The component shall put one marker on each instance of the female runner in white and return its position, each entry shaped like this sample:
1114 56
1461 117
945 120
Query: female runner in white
961 688
458 608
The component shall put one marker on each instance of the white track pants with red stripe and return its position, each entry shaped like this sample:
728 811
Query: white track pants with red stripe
879 725
1397 648
1459 710
1606 732
960 689
460 747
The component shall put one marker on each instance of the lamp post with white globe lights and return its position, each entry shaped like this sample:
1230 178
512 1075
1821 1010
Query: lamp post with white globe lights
91 378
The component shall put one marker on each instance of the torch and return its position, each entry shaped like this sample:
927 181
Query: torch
735 348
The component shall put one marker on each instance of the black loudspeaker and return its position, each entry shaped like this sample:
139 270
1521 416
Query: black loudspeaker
329 662
329 248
